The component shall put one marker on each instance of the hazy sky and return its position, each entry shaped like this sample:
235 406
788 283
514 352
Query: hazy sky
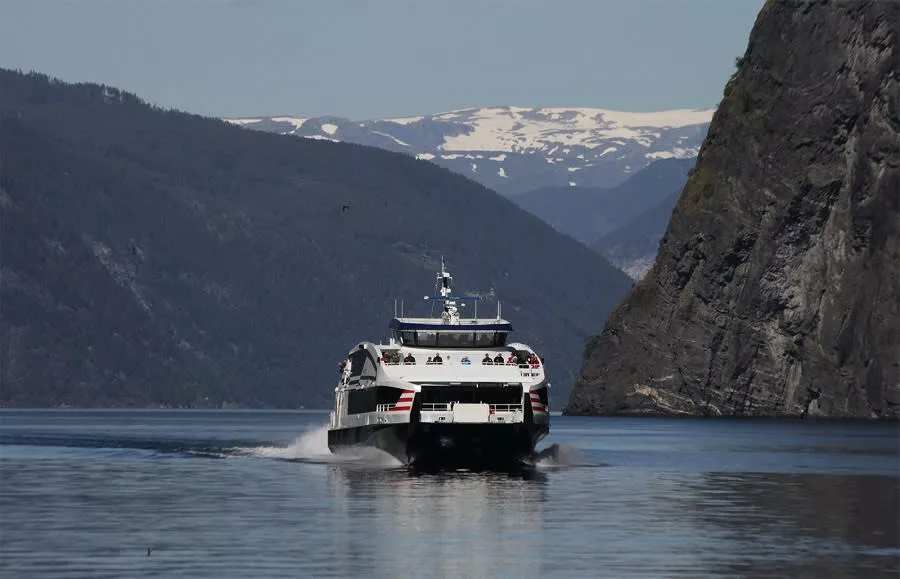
379 58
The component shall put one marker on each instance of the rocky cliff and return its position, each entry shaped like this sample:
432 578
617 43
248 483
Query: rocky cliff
776 291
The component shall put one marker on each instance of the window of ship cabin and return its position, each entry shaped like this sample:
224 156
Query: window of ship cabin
426 338
408 338
455 339
368 399
484 339
362 365
490 339
357 360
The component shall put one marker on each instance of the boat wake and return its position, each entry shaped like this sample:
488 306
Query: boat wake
309 447
313 447
559 456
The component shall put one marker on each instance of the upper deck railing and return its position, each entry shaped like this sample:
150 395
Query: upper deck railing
460 363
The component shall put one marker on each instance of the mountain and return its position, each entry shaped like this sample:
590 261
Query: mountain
152 257
589 213
515 149
632 247
776 291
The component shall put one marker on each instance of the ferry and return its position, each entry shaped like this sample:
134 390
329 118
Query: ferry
443 391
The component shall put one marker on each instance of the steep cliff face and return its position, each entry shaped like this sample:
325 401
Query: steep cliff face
777 287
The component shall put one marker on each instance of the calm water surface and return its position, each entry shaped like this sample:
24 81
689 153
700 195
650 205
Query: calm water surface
256 494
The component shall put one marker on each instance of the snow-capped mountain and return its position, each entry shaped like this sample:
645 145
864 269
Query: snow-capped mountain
514 149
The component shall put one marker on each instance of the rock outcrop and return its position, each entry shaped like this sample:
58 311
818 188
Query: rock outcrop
776 291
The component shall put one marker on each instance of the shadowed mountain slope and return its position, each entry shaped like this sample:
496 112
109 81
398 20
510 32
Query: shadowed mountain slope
155 257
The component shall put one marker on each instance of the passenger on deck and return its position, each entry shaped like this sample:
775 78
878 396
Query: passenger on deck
487 360
429 360
498 359
533 361
437 359
512 360
409 359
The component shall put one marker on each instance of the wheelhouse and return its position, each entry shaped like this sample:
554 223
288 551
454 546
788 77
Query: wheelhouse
464 334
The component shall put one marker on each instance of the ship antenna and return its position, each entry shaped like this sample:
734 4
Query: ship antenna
451 312
444 279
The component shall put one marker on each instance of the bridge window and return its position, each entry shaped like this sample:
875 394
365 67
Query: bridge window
451 339
484 339
456 339
426 339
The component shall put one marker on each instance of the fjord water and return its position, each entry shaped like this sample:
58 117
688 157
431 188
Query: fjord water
257 494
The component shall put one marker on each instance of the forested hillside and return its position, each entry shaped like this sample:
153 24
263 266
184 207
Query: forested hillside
152 257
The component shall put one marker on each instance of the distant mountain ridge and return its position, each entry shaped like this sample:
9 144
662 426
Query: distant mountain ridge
633 246
153 257
592 214
516 149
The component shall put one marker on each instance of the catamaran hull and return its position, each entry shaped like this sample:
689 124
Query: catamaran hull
431 445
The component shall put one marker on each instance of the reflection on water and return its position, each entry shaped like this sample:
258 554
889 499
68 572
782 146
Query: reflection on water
87 494
452 524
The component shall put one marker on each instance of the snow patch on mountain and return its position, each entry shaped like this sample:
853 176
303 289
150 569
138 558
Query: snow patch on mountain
536 147
296 122
515 130
404 120
395 139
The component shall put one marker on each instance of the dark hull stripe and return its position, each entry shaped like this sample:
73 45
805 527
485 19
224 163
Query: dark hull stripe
430 444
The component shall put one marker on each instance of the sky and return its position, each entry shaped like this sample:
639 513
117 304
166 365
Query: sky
365 59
